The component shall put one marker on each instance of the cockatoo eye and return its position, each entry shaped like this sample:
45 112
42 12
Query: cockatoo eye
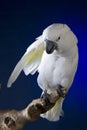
58 39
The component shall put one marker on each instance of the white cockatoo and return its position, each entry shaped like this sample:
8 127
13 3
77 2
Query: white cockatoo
55 56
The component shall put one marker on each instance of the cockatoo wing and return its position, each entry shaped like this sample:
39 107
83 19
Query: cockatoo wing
29 62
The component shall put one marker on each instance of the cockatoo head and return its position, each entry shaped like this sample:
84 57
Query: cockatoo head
58 37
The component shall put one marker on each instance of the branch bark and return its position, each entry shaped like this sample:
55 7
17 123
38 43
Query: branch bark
16 120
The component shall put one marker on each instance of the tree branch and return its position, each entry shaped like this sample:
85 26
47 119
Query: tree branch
15 119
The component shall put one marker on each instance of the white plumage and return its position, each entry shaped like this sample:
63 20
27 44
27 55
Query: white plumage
55 56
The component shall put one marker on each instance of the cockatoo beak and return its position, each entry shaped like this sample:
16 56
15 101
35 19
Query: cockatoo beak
50 46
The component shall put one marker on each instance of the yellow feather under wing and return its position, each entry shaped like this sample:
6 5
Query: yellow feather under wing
33 59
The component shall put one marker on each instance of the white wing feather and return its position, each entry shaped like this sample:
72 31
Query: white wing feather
29 62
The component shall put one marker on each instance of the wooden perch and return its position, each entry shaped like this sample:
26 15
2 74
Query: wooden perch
15 119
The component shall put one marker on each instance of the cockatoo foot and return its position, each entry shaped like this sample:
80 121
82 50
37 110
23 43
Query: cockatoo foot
62 91
45 96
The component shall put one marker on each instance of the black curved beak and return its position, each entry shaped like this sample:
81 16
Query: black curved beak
50 46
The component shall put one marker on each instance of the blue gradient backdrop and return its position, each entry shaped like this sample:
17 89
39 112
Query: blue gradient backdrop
20 23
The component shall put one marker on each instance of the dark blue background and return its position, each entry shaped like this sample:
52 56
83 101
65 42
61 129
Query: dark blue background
20 23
